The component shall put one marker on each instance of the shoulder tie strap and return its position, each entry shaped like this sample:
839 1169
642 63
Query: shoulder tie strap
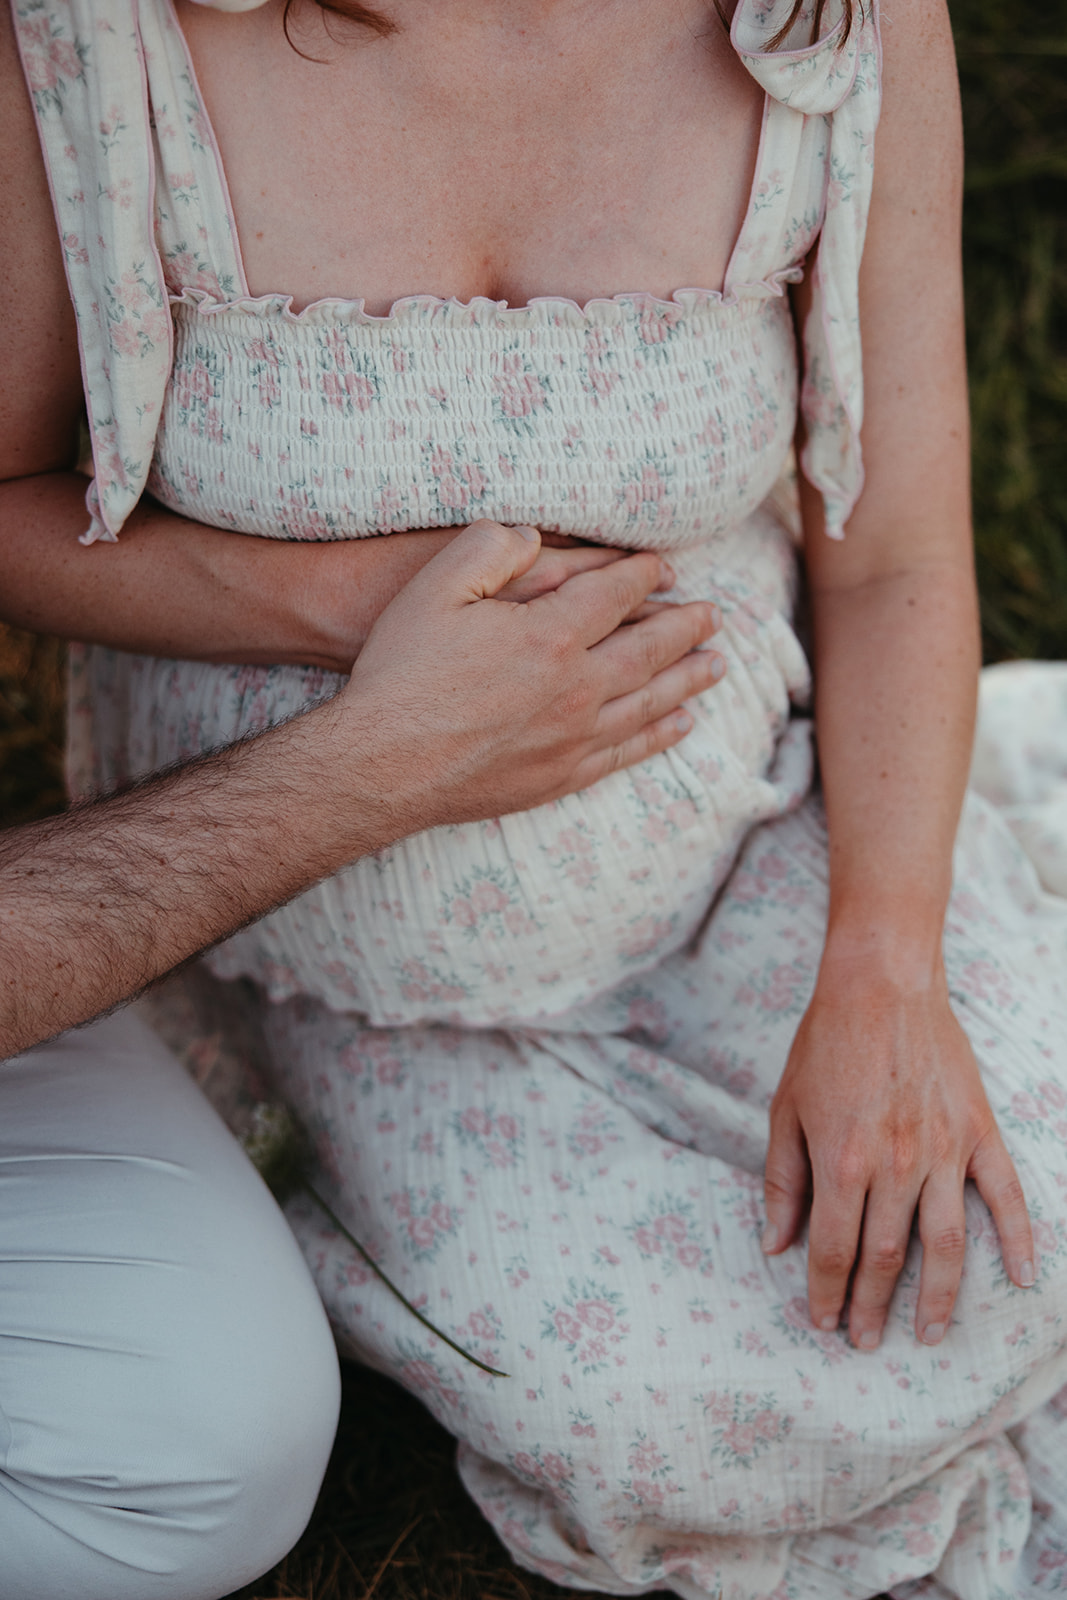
98 71
839 79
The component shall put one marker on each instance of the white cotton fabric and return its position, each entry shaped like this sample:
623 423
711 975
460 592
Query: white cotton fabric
168 1385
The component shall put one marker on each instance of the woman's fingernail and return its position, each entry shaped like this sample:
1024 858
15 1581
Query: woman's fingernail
869 1339
1026 1274
829 1324
718 668
716 618
769 1241
683 721
933 1333
667 579
527 532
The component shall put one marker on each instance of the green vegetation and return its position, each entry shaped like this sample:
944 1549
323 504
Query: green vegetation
1013 69
32 680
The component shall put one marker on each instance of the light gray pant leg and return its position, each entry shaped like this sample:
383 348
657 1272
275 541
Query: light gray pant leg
168 1382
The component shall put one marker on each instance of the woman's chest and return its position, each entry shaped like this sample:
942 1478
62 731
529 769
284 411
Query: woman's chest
607 150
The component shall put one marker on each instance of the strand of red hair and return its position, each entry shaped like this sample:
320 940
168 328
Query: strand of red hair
784 31
382 25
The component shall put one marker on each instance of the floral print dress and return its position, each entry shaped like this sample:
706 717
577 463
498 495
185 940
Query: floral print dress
535 1056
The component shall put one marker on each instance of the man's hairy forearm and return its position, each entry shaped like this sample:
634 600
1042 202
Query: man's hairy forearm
460 707
99 902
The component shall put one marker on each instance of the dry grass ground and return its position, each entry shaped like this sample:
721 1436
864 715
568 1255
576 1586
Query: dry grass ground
392 1522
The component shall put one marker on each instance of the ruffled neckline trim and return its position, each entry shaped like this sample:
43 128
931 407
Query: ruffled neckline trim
548 310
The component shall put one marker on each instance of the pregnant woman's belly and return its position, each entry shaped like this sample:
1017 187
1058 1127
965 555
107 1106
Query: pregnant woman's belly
526 918
634 423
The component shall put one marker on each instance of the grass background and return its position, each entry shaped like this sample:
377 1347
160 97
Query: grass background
392 1522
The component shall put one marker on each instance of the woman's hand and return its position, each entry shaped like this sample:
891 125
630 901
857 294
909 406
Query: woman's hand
881 1115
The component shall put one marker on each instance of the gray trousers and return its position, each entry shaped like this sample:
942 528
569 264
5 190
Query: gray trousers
168 1382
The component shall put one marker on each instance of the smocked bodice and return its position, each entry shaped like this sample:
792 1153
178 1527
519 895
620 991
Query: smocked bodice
631 421
146 222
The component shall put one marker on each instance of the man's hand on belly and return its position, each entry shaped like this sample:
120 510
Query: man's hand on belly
568 692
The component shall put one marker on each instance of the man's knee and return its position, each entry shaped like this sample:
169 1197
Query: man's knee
185 1500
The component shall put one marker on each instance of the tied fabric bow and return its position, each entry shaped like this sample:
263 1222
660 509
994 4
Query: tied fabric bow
836 77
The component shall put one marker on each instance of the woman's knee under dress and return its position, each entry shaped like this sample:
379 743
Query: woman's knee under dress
583 1212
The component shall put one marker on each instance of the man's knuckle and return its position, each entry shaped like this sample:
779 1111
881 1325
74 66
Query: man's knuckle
981 1134
886 1258
948 1244
573 705
832 1260
562 640
902 1153
623 596
937 1303
849 1170
651 651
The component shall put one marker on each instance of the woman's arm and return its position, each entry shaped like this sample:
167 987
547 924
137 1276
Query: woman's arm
170 586
174 587
881 1111
177 588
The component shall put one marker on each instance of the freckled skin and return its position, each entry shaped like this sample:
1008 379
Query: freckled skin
395 168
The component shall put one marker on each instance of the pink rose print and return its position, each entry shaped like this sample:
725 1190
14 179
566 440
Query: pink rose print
546 1469
568 1327
670 1232
656 323
49 59
588 1324
743 1426
596 1314
428 1220
498 1138
520 392
600 371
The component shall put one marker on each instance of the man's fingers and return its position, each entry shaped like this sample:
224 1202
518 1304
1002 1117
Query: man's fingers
594 604
943 1231
554 566
635 654
625 717
886 1231
786 1183
833 1240
997 1181
479 561
649 741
